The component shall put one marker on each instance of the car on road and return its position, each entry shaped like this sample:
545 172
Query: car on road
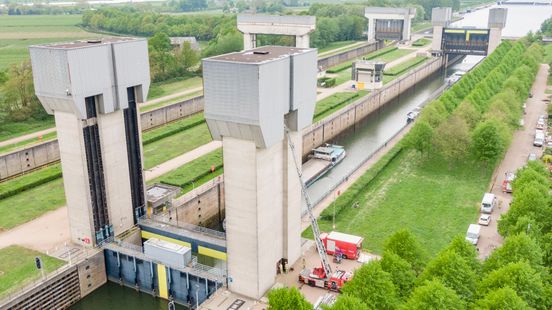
539 138
507 183
472 235
532 156
484 219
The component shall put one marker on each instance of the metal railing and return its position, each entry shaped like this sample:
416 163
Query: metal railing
180 227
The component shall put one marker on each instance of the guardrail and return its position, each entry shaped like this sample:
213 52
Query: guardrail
165 219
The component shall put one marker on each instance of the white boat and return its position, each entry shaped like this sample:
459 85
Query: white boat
322 160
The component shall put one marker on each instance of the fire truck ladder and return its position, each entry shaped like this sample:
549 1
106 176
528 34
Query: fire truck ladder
316 231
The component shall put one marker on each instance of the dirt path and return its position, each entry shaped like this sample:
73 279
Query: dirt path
516 157
51 230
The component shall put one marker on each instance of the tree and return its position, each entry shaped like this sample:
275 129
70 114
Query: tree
402 274
419 137
19 100
187 57
453 271
405 245
460 246
530 202
433 295
347 302
502 299
160 42
453 139
487 143
516 248
467 111
287 298
373 286
523 279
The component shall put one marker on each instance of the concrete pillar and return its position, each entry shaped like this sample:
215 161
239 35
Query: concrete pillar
437 38
253 198
497 21
406 28
371 30
249 41
495 38
302 41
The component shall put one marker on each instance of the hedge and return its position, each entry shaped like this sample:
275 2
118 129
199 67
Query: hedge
28 181
194 170
421 42
341 67
328 104
172 128
351 195
326 82
404 66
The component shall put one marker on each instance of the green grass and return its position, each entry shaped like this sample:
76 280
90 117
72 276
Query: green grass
173 86
17 267
419 26
421 42
10 130
31 204
171 101
547 53
197 171
405 66
343 76
393 55
426 196
27 143
170 147
348 64
18 32
335 102
28 181
335 45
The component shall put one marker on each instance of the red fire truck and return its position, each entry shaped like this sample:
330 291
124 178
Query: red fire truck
349 245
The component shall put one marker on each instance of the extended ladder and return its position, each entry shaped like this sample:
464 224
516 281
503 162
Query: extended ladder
316 231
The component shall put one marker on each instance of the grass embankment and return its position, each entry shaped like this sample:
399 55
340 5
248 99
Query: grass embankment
170 101
405 66
421 42
173 86
195 173
335 102
17 267
423 195
333 46
10 130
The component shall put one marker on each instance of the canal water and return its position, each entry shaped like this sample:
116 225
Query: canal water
359 143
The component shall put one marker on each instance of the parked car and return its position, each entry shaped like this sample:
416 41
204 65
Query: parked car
485 219
539 138
472 236
507 183
532 156
488 203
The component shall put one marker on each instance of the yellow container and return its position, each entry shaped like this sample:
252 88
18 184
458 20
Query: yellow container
360 85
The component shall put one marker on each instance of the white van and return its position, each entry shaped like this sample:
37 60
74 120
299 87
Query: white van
472 236
488 203
539 138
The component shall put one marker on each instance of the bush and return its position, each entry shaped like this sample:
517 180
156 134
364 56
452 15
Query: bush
326 82
421 42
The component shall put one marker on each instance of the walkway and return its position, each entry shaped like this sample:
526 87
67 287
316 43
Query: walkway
51 230
515 158
172 96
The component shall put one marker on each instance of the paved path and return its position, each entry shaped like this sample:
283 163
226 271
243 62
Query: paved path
516 157
51 230
33 135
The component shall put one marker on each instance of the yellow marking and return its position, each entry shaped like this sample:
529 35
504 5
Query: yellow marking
455 30
162 280
149 235
211 252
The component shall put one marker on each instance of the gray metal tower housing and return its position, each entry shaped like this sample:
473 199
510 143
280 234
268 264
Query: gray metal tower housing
93 89
249 96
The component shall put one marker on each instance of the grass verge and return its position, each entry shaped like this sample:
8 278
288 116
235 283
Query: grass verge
11 129
335 102
27 143
28 181
405 65
425 195
17 267
172 86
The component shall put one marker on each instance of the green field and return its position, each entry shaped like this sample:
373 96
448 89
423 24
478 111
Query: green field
31 204
18 32
16 129
173 86
426 196
17 267
393 55
170 101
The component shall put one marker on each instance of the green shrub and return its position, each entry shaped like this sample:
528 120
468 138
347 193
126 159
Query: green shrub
336 100
326 82
381 52
339 68
421 42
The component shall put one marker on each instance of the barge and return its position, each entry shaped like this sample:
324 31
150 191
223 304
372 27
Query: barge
322 160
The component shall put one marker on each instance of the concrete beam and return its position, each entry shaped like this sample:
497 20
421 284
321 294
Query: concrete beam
497 22
440 18
388 13
298 26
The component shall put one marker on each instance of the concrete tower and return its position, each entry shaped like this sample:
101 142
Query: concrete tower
440 19
385 23
298 26
249 96
93 88
497 22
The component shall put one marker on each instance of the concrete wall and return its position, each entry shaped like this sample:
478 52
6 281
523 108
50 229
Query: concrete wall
21 161
203 209
62 289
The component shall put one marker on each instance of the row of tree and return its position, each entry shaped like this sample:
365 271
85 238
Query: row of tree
515 276
475 118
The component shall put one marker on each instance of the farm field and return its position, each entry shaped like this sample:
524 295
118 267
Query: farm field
18 32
